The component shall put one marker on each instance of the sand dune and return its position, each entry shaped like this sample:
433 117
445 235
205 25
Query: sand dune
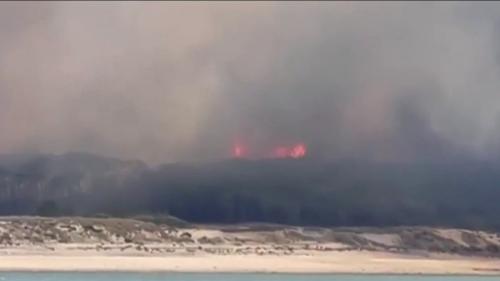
88 244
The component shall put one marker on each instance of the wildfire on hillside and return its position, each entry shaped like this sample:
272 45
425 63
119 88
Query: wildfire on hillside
296 151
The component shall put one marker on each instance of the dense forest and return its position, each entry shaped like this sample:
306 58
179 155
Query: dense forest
303 192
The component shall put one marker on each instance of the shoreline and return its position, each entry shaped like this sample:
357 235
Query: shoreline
353 263
75 244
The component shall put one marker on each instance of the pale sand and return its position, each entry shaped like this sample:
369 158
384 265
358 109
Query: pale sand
338 262
87 244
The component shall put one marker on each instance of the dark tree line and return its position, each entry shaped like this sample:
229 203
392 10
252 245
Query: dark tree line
304 192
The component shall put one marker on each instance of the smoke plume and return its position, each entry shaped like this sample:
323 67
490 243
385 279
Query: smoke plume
167 82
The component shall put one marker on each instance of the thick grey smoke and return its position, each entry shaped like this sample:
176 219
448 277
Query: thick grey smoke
184 81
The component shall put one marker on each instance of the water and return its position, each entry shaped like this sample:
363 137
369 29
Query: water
21 276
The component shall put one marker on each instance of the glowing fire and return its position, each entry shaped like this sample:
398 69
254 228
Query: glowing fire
239 151
296 151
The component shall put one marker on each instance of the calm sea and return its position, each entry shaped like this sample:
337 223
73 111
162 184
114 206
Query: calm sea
21 276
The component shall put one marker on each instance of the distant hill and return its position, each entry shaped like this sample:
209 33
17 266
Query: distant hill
304 192
28 182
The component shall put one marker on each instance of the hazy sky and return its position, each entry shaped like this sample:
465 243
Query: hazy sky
183 81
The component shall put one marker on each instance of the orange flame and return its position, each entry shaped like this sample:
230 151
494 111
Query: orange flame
239 151
297 151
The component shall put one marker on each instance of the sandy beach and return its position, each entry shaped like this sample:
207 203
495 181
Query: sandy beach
92 244
345 262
